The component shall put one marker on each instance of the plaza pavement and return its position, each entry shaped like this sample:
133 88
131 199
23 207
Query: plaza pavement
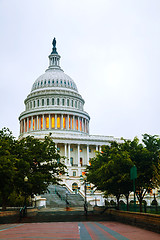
75 231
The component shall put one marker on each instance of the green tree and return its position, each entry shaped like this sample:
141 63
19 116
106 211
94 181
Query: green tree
109 171
7 165
40 162
146 159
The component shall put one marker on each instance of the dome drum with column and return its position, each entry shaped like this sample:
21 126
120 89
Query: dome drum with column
54 103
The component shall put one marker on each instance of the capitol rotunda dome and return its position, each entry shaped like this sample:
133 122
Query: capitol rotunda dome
54 104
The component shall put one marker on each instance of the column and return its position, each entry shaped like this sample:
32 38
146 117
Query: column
65 153
69 154
49 121
96 147
27 124
24 120
68 122
56 145
87 155
43 122
55 121
85 125
61 121
78 155
99 148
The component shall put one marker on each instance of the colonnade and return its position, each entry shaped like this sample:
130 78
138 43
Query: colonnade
82 153
54 121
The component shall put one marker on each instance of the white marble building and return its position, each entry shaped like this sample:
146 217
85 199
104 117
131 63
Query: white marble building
55 106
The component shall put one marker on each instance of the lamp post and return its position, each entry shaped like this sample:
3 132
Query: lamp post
25 198
85 195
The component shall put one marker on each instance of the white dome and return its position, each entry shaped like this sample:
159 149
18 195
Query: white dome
54 78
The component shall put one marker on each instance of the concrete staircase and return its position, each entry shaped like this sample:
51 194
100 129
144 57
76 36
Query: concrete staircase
60 196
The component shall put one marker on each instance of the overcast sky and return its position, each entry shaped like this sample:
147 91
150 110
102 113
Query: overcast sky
110 48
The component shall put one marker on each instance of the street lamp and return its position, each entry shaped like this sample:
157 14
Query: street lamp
84 178
25 198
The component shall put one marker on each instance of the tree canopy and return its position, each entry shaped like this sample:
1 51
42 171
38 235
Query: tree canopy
110 169
38 160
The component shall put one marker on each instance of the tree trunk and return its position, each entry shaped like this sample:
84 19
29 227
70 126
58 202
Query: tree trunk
118 197
127 198
4 203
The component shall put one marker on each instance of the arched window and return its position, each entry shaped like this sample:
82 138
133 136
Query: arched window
74 186
52 101
67 102
57 101
47 101
63 101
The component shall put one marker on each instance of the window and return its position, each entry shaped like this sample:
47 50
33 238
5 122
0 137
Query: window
53 82
71 161
29 123
47 122
77 124
64 122
34 103
63 101
38 102
53 122
81 162
45 82
57 81
71 149
57 101
58 122
67 102
80 125
47 101
89 150
72 103
30 104
52 101
76 104
74 174
42 102
49 82
58 148
61 81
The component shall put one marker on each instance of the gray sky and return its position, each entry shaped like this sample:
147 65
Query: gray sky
110 48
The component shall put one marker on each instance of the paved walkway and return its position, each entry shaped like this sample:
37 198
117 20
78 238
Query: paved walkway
75 230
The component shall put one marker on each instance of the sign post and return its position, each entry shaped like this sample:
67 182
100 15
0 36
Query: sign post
133 176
